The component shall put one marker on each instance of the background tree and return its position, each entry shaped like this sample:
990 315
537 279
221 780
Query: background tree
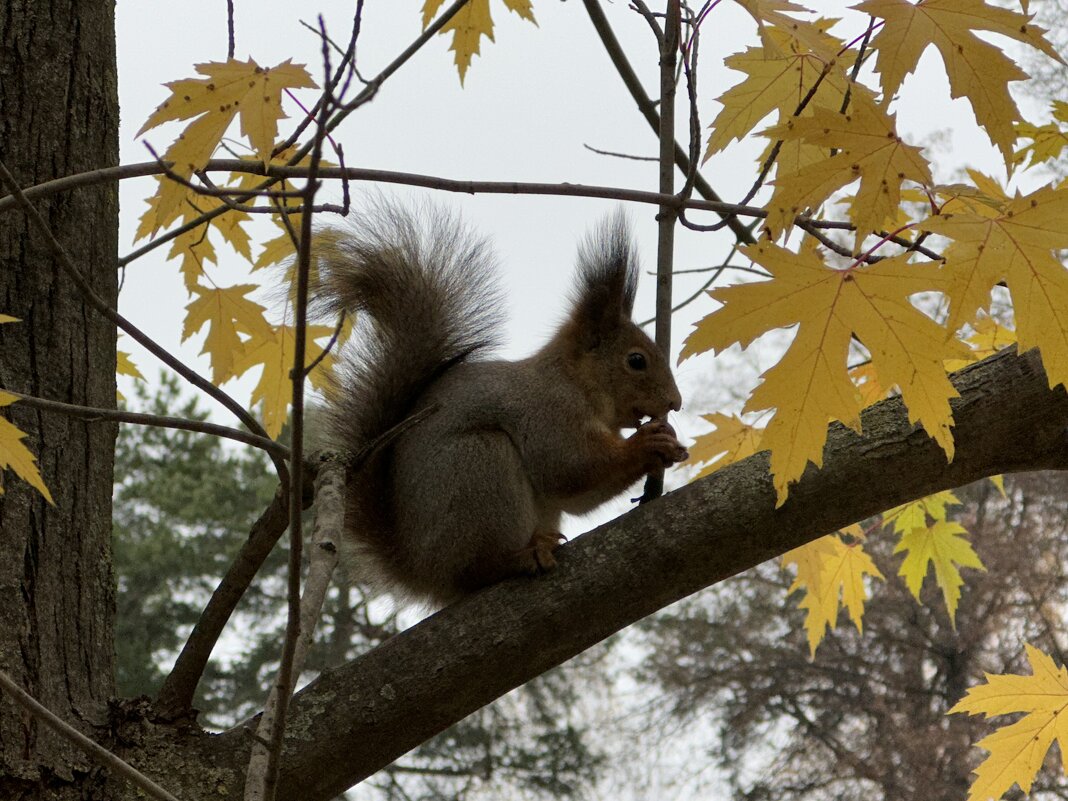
866 718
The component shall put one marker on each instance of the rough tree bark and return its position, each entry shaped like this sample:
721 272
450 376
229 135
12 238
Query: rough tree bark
58 115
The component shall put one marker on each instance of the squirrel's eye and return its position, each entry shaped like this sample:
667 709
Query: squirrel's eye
636 361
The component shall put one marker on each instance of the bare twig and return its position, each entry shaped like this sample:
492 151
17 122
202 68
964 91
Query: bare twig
277 172
227 195
67 265
651 21
739 267
613 154
774 154
347 63
329 345
833 246
262 783
102 755
716 273
230 29
160 421
648 110
326 534
690 49
669 51
93 177
856 65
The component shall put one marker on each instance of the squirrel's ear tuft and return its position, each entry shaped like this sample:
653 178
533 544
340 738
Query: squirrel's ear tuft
607 279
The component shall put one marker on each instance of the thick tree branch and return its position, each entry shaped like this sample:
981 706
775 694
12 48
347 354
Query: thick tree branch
355 720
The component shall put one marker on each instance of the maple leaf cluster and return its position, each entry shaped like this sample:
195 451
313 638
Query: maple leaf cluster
239 335
832 132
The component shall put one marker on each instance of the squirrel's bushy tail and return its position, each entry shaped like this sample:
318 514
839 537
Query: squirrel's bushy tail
423 292
425 297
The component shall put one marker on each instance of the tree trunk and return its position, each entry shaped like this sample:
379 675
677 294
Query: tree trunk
58 116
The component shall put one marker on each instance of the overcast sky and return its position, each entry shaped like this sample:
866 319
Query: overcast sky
532 100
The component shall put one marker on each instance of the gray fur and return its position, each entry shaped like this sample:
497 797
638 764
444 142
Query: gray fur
454 502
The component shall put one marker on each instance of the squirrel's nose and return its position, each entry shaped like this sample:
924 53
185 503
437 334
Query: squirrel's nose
676 401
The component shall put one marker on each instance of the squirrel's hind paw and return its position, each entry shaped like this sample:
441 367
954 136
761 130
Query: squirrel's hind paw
542 545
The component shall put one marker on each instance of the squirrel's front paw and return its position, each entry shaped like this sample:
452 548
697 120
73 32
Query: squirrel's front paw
658 444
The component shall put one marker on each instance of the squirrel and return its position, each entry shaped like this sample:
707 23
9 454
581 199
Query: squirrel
470 461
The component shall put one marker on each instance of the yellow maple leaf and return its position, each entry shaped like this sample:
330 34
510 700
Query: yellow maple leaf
195 250
227 313
1017 751
999 482
229 89
987 197
730 441
777 80
282 247
976 69
810 385
1017 248
230 227
989 337
990 187
831 572
944 545
1047 141
275 353
912 515
901 217
124 366
868 148
808 560
16 456
867 383
470 24
194 247
770 18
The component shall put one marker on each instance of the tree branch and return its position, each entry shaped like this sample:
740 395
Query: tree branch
160 421
326 533
48 188
273 721
175 698
413 686
668 215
